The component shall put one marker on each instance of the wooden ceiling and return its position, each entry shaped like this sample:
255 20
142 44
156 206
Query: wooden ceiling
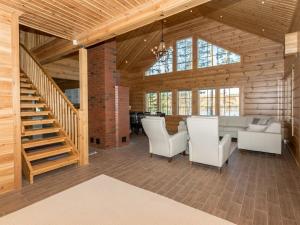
93 21
65 18
268 18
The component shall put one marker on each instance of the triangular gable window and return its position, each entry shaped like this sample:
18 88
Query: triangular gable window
162 66
211 55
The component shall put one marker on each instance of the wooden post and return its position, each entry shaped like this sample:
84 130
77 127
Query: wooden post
16 99
83 112
10 124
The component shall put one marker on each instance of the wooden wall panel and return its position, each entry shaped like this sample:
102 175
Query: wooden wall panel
10 152
33 39
66 68
292 109
260 75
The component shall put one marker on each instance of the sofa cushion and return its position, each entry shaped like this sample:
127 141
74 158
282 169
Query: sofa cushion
263 121
274 128
256 128
255 120
234 121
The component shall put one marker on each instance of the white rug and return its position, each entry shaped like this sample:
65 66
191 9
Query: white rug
108 201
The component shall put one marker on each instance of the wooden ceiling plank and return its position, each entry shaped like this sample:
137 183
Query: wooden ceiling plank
51 27
62 15
53 18
99 8
37 27
59 5
135 18
90 11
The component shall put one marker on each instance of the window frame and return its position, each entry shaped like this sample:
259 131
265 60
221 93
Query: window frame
146 108
156 61
240 99
176 54
191 99
216 66
160 107
215 106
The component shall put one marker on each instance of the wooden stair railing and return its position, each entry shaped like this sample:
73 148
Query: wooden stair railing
63 110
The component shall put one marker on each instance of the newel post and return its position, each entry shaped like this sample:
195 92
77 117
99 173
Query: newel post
83 111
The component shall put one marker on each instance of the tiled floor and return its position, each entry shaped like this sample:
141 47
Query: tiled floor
255 188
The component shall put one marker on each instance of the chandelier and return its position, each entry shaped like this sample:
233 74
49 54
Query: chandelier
161 51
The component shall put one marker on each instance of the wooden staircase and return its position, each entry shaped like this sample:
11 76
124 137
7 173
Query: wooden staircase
45 144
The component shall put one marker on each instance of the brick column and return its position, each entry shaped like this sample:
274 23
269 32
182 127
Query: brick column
102 79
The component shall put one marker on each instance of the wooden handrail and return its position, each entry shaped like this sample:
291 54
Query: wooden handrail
49 77
62 108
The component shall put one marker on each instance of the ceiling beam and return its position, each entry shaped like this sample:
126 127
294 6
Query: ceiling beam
130 20
138 17
295 26
54 50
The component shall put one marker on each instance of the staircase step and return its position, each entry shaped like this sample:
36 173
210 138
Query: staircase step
23 79
37 122
33 113
27 91
25 85
30 98
31 132
48 152
28 106
53 164
44 141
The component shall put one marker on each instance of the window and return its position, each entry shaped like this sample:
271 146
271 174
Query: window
162 66
166 102
229 101
151 102
185 103
184 49
207 102
212 55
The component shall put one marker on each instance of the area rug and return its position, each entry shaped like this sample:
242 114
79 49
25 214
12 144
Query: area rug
107 201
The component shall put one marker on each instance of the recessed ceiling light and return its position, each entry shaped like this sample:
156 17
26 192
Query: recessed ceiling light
145 40
75 42
191 10
221 17
263 30
262 2
126 62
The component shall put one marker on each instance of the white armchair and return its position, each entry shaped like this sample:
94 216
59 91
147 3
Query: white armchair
204 144
160 142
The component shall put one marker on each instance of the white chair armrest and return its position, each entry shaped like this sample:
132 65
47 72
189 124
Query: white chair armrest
224 149
178 143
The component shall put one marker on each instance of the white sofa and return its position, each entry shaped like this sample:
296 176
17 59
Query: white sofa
232 124
160 142
268 139
204 144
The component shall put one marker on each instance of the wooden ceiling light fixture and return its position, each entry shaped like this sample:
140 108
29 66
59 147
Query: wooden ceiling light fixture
161 51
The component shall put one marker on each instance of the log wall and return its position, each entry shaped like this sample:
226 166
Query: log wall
259 75
10 136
